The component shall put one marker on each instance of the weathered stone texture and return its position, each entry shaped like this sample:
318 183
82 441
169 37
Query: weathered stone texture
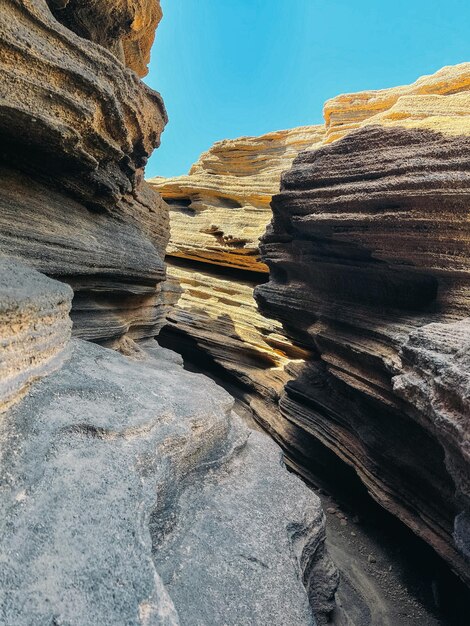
368 253
132 494
76 129
125 27
34 328
221 208
218 213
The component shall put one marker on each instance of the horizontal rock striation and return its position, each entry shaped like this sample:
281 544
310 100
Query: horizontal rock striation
218 212
77 127
221 208
131 493
126 27
368 254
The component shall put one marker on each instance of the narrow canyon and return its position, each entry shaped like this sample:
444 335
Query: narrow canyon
239 396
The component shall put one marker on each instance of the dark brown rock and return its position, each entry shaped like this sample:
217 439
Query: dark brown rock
368 252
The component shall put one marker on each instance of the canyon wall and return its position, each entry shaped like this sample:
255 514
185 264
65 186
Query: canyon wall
367 253
77 128
218 213
130 490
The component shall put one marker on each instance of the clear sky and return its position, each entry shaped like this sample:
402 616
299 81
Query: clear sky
227 68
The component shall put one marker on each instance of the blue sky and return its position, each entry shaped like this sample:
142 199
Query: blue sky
227 68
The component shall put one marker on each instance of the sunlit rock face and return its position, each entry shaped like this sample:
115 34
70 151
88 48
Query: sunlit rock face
76 129
125 27
221 208
218 213
368 253
131 493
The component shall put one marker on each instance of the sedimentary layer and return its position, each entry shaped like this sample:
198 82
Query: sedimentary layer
368 257
218 212
221 208
131 493
76 129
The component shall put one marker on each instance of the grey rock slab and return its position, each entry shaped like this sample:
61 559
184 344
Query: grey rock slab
111 468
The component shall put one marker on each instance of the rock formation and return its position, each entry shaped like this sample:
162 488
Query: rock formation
368 254
124 500
77 127
218 213
34 328
130 491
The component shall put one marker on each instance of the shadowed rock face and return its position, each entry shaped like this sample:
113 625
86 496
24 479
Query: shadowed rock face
368 252
130 492
76 128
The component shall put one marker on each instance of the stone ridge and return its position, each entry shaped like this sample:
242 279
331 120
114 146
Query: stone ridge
422 104
77 127
368 257
34 328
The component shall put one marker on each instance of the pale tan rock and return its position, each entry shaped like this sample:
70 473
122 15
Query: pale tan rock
431 102
126 27
221 208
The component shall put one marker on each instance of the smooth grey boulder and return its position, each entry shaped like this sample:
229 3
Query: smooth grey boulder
132 494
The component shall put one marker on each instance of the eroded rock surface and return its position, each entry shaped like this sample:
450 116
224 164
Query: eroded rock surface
221 208
131 493
218 213
368 253
34 328
369 246
76 129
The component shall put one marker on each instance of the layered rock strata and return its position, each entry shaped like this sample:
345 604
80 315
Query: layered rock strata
221 208
368 257
369 245
218 213
124 500
76 129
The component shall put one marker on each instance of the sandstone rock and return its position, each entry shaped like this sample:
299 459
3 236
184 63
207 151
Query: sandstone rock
76 129
220 210
368 251
131 493
423 104
125 27
34 328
